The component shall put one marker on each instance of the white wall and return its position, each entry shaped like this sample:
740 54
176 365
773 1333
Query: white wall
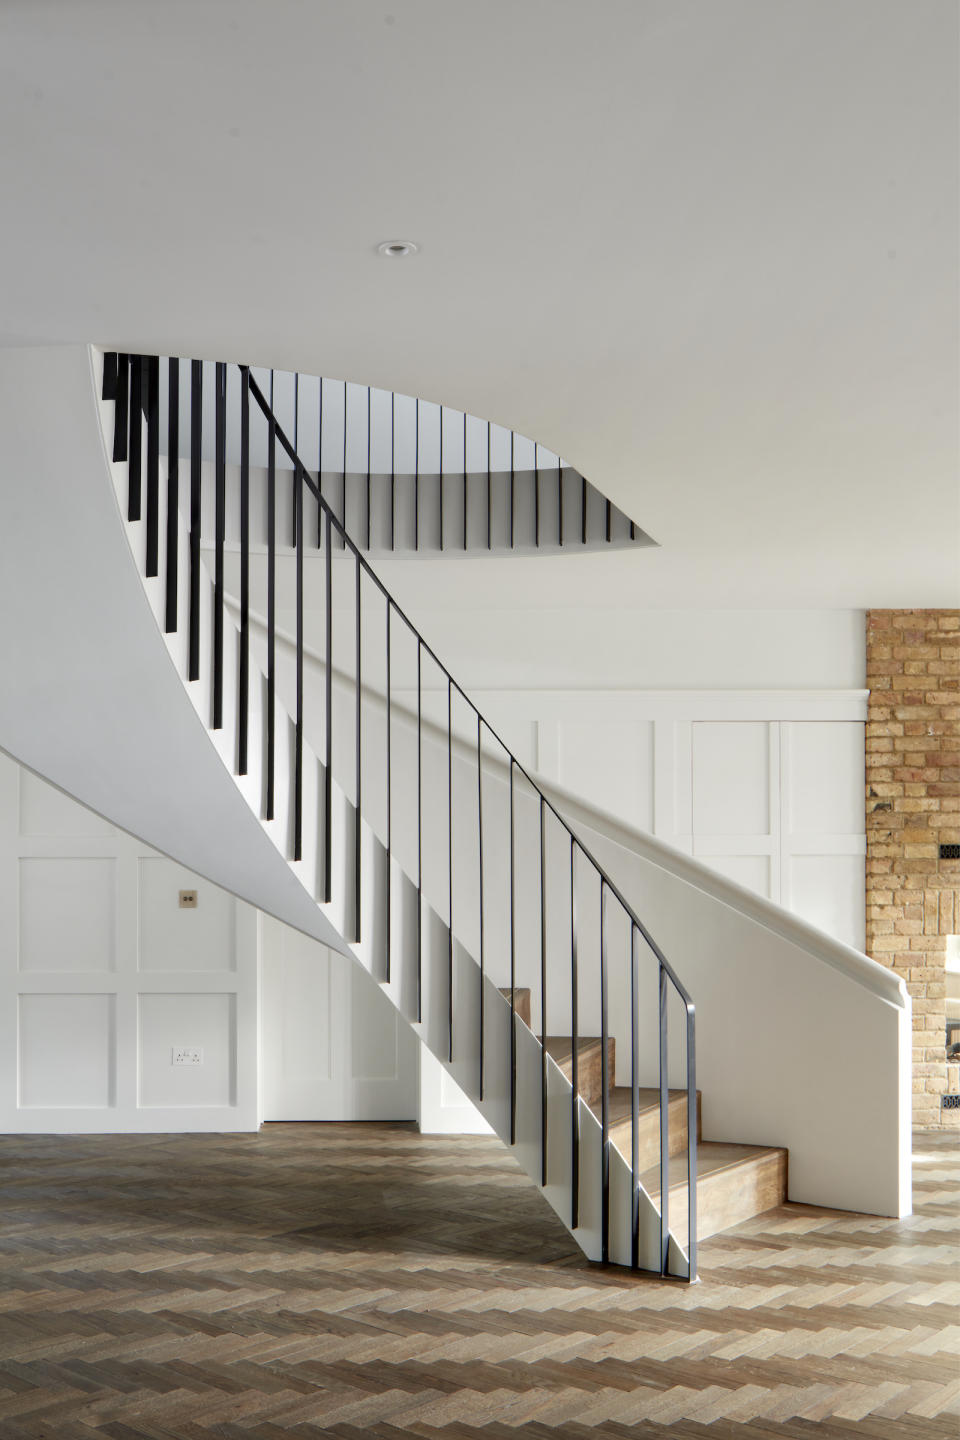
104 975
582 622
332 1047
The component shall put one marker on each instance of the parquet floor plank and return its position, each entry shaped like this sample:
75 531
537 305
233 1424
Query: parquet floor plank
365 1281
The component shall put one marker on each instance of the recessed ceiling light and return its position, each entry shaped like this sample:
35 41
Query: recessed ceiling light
396 249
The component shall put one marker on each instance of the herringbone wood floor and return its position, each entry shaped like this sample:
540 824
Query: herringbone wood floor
362 1281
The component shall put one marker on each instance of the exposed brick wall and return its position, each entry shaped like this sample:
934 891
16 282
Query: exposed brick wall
913 806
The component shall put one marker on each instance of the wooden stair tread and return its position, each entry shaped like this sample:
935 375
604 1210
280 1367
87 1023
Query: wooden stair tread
560 1047
618 1107
712 1157
734 1183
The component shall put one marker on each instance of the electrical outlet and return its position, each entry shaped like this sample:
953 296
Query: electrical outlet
951 1102
186 1055
188 899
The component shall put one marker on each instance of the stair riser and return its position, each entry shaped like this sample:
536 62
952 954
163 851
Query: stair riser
590 1070
728 1197
648 1134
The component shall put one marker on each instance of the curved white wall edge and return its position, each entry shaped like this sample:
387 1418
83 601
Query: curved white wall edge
93 703
872 976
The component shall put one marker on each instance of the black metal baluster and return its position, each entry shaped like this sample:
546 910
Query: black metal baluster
691 1143
634 1102
480 848
419 830
489 516
513 482
298 732
393 469
108 390
220 501
450 865
389 794
664 1129
543 993
320 462
513 970
271 601
536 499
441 477
359 770
559 502
173 496
343 506
574 1053
243 693
136 446
583 511
153 466
464 480
369 403
416 476
633 531
605 1087
328 730
121 409
296 447
196 511
609 521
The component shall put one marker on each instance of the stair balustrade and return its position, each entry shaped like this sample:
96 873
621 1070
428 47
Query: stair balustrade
553 907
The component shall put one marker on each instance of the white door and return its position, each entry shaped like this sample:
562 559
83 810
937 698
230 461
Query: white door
332 1046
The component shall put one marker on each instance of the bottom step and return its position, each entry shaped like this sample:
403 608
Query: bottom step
734 1183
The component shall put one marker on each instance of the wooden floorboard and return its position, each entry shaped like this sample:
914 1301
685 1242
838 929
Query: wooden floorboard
365 1282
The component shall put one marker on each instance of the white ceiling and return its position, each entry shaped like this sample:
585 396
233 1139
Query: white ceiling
707 249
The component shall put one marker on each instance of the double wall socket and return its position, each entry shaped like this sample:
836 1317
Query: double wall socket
186 1055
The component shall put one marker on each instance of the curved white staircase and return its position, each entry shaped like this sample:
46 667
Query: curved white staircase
597 1149
373 902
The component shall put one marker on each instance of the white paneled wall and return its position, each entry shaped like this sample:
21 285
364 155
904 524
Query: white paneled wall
103 976
332 1045
765 787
